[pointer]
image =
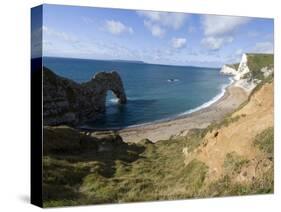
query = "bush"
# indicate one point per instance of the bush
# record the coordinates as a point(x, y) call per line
point(265, 141)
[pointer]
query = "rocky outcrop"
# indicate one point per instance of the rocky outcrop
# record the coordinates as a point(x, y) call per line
point(236, 70)
point(228, 70)
point(243, 68)
point(64, 139)
point(68, 102)
point(251, 66)
point(252, 69)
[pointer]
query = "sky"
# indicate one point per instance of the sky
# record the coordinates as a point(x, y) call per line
point(152, 37)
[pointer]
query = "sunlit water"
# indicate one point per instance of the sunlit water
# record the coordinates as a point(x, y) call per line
point(154, 92)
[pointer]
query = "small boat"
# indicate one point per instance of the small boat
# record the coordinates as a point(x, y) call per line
point(172, 80)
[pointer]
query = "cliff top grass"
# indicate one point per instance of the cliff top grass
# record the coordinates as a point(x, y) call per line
point(258, 61)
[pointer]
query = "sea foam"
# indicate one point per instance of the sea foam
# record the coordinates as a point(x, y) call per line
point(212, 101)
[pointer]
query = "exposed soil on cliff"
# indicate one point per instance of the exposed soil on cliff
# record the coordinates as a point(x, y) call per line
point(238, 137)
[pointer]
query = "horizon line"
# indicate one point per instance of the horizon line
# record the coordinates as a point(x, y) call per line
point(124, 60)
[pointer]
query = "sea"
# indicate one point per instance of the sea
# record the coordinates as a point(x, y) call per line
point(154, 92)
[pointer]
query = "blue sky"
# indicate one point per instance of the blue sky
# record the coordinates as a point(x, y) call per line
point(153, 37)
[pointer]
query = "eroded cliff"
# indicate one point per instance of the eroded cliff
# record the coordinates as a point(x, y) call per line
point(68, 102)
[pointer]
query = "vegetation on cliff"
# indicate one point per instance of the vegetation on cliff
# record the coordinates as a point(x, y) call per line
point(81, 167)
point(256, 62)
point(71, 103)
point(93, 168)
point(142, 172)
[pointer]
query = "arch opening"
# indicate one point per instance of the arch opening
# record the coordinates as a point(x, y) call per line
point(111, 98)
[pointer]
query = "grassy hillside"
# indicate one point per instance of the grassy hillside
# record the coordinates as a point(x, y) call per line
point(255, 63)
point(82, 168)
point(258, 61)
point(144, 172)
point(128, 172)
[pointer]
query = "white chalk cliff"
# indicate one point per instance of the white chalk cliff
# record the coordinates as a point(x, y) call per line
point(243, 76)
point(240, 72)
point(227, 69)
point(243, 68)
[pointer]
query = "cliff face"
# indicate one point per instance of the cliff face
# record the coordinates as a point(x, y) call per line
point(67, 102)
point(237, 135)
point(237, 70)
point(252, 69)
point(227, 69)
point(243, 68)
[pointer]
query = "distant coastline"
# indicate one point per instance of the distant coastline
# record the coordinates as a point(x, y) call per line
point(130, 61)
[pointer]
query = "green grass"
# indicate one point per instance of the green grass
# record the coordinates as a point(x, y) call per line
point(265, 141)
point(225, 186)
point(268, 79)
point(233, 163)
point(139, 172)
point(129, 172)
point(224, 123)
point(258, 61)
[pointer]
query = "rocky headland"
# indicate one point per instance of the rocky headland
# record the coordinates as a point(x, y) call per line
point(252, 69)
point(71, 103)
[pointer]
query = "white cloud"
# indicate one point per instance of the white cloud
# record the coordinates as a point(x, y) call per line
point(215, 43)
point(60, 35)
point(58, 43)
point(219, 30)
point(264, 47)
point(155, 29)
point(158, 22)
point(178, 43)
point(214, 25)
point(165, 19)
point(117, 27)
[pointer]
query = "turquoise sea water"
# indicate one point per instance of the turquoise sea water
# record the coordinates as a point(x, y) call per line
point(154, 92)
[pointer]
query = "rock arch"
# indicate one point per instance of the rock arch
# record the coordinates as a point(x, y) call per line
point(68, 102)
point(104, 82)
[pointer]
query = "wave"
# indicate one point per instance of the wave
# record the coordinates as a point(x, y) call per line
point(204, 105)
point(212, 101)
point(115, 100)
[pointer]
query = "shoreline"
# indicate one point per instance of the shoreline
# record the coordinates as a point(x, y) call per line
point(232, 98)
point(174, 117)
